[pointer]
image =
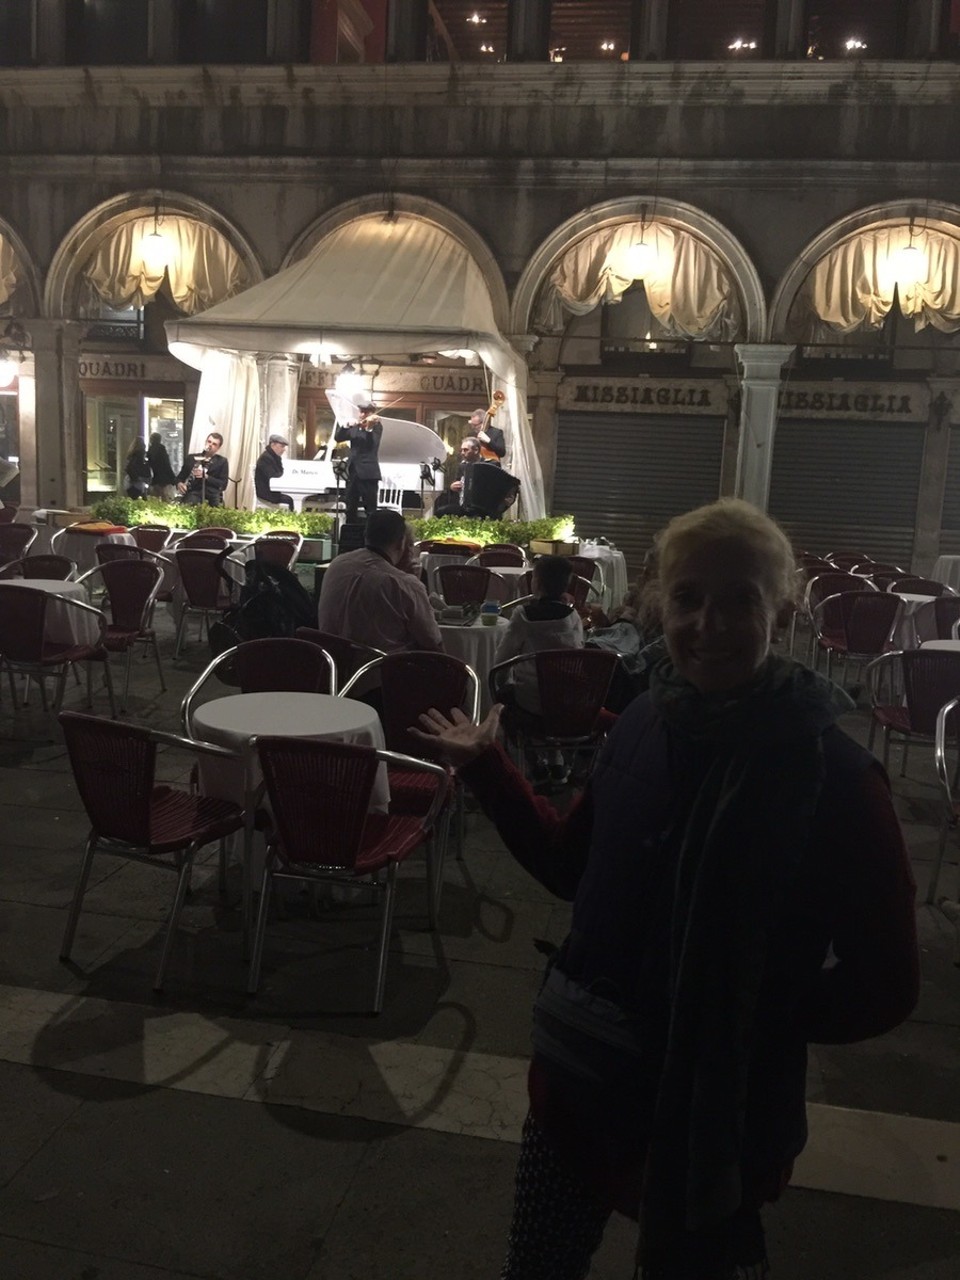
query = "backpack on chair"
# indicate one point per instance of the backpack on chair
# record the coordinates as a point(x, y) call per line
point(272, 603)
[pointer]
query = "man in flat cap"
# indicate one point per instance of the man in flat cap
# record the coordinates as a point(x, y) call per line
point(270, 466)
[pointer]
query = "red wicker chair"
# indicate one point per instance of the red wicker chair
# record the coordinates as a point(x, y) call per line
point(464, 583)
point(323, 831)
point(205, 591)
point(929, 679)
point(15, 541)
point(278, 548)
point(856, 625)
point(134, 817)
point(348, 657)
point(151, 537)
point(7, 514)
point(205, 540)
point(916, 586)
point(24, 648)
point(499, 557)
point(131, 586)
point(936, 619)
point(54, 568)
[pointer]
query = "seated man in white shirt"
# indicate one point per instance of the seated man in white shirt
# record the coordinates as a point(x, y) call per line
point(374, 596)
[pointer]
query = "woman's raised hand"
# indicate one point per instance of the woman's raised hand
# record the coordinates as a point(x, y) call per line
point(458, 738)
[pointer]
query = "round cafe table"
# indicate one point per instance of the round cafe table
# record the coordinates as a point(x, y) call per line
point(614, 573)
point(476, 645)
point(905, 633)
point(63, 625)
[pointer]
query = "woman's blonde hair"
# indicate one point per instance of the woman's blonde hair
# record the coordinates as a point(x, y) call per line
point(732, 520)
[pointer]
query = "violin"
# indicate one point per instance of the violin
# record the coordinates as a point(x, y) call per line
point(498, 398)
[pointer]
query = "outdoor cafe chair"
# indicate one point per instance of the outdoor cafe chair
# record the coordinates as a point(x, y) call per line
point(15, 541)
point(581, 590)
point(929, 678)
point(572, 685)
point(205, 590)
point(322, 830)
point(151, 537)
point(54, 568)
point(936, 619)
point(916, 586)
point(25, 650)
point(498, 558)
point(410, 683)
point(7, 513)
point(130, 587)
point(133, 816)
point(348, 656)
point(592, 570)
point(947, 726)
point(856, 625)
point(278, 548)
point(464, 583)
point(273, 664)
point(204, 540)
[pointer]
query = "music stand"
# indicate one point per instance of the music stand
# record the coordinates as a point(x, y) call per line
point(339, 474)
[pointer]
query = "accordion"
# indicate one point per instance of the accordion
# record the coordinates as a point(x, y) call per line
point(487, 490)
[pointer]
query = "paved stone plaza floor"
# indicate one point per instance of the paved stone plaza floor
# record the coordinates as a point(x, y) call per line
point(289, 1138)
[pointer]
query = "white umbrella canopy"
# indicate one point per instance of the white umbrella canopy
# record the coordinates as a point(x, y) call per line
point(373, 288)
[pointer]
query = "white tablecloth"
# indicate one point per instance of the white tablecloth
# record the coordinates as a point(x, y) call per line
point(475, 645)
point(614, 573)
point(82, 547)
point(63, 625)
point(949, 646)
point(234, 720)
point(947, 570)
point(905, 633)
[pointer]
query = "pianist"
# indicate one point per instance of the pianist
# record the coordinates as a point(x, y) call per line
point(270, 467)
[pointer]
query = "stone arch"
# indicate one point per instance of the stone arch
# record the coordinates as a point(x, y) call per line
point(83, 238)
point(935, 214)
point(30, 284)
point(630, 209)
point(420, 207)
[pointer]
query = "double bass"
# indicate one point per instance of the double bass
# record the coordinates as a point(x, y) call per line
point(497, 400)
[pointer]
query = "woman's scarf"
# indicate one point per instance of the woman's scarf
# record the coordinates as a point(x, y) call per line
point(749, 825)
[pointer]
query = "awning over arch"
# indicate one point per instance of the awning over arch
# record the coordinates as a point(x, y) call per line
point(202, 266)
point(378, 289)
point(9, 270)
point(689, 290)
point(852, 287)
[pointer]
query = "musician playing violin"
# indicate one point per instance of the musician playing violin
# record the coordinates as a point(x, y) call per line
point(492, 443)
point(363, 469)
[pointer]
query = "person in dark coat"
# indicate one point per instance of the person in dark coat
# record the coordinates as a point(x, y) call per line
point(740, 888)
point(162, 477)
point(270, 467)
point(204, 476)
point(136, 470)
point(363, 469)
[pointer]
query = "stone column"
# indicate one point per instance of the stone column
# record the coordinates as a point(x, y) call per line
point(51, 32)
point(164, 34)
point(407, 31)
point(944, 408)
point(924, 28)
point(648, 30)
point(731, 439)
point(542, 391)
point(787, 19)
point(279, 380)
point(58, 436)
point(27, 411)
point(760, 393)
point(283, 32)
point(528, 30)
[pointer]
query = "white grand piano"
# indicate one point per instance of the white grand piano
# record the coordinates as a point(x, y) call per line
point(404, 447)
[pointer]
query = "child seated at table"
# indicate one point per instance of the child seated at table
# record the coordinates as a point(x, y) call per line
point(548, 621)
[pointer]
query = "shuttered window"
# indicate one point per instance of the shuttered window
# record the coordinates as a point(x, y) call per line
point(848, 486)
point(624, 477)
point(950, 521)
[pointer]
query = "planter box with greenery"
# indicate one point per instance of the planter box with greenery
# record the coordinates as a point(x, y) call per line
point(131, 511)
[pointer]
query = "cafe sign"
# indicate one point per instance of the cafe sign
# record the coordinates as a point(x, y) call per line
point(107, 367)
point(858, 401)
point(421, 382)
point(690, 397)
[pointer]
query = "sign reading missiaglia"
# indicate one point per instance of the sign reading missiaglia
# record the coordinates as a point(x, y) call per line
point(630, 395)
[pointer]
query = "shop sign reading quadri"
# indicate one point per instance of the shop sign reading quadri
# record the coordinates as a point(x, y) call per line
point(464, 382)
point(690, 397)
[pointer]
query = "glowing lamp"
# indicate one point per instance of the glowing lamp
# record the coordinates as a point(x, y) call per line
point(156, 251)
point(910, 266)
point(8, 371)
point(641, 260)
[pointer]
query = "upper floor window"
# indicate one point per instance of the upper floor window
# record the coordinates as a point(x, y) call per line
point(107, 32)
point(855, 29)
point(16, 33)
point(707, 32)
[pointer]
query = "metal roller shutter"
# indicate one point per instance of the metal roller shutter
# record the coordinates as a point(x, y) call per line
point(848, 486)
point(624, 477)
point(950, 521)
